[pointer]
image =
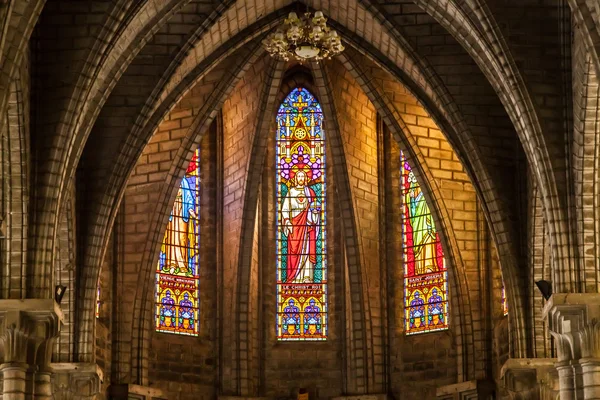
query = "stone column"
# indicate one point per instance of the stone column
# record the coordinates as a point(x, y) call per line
point(76, 381)
point(27, 330)
point(574, 321)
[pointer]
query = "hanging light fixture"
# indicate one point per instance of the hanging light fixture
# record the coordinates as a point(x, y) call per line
point(304, 39)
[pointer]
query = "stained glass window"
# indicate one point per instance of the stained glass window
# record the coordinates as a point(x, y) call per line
point(177, 269)
point(301, 234)
point(425, 273)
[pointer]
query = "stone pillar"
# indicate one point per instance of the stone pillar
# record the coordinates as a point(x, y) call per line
point(76, 381)
point(470, 390)
point(530, 378)
point(574, 321)
point(27, 330)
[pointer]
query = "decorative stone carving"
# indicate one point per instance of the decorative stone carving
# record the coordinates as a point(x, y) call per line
point(530, 378)
point(574, 321)
point(470, 390)
point(76, 381)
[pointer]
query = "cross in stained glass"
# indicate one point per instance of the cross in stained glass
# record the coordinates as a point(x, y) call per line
point(300, 104)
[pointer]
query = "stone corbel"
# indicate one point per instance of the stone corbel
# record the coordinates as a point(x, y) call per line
point(530, 378)
point(76, 381)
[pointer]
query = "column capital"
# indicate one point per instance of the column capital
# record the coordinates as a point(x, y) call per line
point(76, 381)
point(574, 322)
point(27, 328)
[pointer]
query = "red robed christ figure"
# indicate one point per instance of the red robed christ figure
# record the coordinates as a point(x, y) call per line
point(300, 222)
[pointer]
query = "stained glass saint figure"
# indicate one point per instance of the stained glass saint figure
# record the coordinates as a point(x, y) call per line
point(300, 183)
point(425, 274)
point(177, 270)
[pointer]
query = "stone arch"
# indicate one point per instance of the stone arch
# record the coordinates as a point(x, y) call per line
point(391, 47)
point(444, 111)
point(585, 155)
point(539, 264)
point(233, 68)
point(65, 274)
point(401, 134)
point(88, 89)
point(17, 20)
point(587, 21)
point(361, 349)
point(15, 168)
point(491, 53)
point(180, 82)
point(194, 133)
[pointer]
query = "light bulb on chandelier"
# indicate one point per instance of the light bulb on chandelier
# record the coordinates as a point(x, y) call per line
point(304, 39)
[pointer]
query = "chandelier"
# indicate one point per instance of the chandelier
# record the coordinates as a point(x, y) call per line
point(305, 38)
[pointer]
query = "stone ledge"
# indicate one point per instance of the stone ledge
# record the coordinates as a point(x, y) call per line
point(33, 306)
point(241, 398)
point(573, 299)
point(381, 396)
point(78, 368)
point(465, 390)
point(528, 363)
point(135, 392)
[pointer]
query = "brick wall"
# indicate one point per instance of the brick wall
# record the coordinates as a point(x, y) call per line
point(240, 114)
point(418, 364)
point(357, 121)
point(141, 231)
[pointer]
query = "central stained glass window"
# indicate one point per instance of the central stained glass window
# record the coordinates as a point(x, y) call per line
point(425, 273)
point(301, 233)
point(177, 275)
